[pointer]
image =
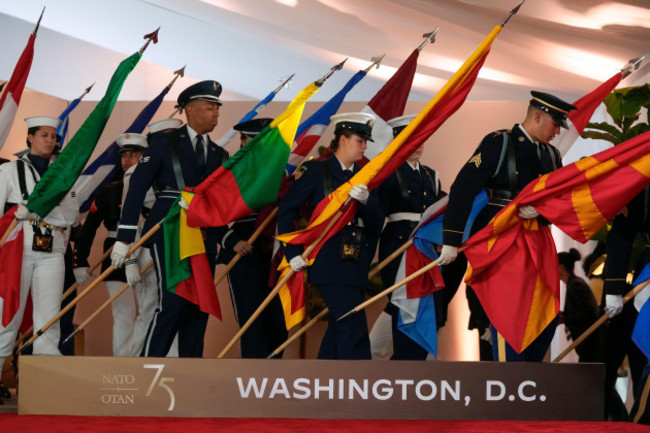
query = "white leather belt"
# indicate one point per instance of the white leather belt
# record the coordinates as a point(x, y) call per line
point(404, 216)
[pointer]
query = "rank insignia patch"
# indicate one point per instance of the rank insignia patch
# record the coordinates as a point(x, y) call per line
point(476, 160)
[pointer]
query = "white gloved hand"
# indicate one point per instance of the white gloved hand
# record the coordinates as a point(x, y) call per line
point(182, 203)
point(486, 335)
point(81, 275)
point(118, 255)
point(132, 271)
point(22, 213)
point(447, 255)
point(528, 212)
point(297, 263)
point(360, 193)
point(613, 305)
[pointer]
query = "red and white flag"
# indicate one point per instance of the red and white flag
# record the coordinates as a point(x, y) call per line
point(11, 259)
point(579, 118)
point(14, 90)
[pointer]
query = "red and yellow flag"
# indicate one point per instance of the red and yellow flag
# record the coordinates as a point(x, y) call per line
point(439, 109)
point(513, 264)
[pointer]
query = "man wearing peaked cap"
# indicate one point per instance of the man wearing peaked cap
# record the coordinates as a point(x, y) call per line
point(341, 270)
point(250, 128)
point(503, 164)
point(166, 124)
point(248, 279)
point(106, 209)
point(403, 197)
point(180, 158)
point(45, 239)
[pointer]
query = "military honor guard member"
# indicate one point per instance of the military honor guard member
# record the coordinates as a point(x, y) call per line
point(106, 209)
point(174, 160)
point(340, 270)
point(633, 221)
point(504, 162)
point(248, 279)
point(45, 239)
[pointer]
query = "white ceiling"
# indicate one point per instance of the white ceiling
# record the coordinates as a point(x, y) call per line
point(563, 46)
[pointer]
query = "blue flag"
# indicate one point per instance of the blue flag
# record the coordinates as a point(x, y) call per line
point(310, 131)
point(102, 170)
point(641, 332)
point(62, 129)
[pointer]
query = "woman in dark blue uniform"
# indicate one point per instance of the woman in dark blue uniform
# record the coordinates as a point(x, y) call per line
point(340, 270)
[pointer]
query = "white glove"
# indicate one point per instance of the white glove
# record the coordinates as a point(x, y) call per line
point(528, 212)
point(360, 193)
point(118, 255)
point(132, 271)
point(297, 263)
point(22, 213)
point(182, 203)
point(486, 335)
point(447, 255)
point(613, 305)
point(81, 275)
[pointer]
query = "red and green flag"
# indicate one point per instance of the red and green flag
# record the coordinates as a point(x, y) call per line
point(514, 253)
point(439, 109)
point(251, 178)
point(187, 270)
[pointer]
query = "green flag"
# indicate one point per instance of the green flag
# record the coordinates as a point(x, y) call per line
point(63, 173)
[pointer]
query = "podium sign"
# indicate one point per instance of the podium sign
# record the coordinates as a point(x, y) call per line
point(246, 388)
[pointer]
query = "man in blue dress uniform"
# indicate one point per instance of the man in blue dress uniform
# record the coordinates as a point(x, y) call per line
point(503, 164)
point(180, 158)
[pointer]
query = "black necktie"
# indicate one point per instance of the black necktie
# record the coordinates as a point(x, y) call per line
point(200, 154)
point(347, 174)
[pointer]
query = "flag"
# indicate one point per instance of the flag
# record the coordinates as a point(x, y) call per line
point(641, 297)
point(415, 300)
point(103, 168)
point(251, 178)
point(443, 105)
point(248, 116)
point(310, 131)
point(641, 331)
point(187, 270)
point(62, 174)
point(11, 257)
point(585, 107)
point(14, 89)
point(389, 103)
point(510, 252)
point(62, 129)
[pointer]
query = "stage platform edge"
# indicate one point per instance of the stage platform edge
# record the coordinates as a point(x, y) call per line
point(246, 388)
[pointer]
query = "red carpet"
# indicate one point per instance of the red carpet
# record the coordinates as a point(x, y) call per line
point(10, 423)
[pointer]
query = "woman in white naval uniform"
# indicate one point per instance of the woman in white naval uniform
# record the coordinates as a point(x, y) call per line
point(42, 271)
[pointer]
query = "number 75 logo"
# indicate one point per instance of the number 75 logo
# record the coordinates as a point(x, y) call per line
point(161, 382)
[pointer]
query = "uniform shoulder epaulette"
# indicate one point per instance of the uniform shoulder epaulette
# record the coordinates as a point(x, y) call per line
point(501, 132)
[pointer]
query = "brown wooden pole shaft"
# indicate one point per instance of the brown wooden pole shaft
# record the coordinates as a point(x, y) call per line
point(278, 286)
point(602, 319)
point(250, 240)
point(381, 265)
point(301, 331)
point(5, 235)
point(108, 302)
point(91, 286)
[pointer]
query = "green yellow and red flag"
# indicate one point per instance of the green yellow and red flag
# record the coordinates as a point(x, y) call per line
point(514, 253)
point(251, 178)
point(187, 271)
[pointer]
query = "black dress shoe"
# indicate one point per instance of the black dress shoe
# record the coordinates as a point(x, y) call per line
point(4, 392)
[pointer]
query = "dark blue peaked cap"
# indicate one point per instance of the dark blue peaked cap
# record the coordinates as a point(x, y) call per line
point(208, 90)
point(557, 108)
point(252, 127)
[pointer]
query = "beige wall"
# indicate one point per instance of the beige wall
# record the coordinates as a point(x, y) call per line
point(446, 151)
